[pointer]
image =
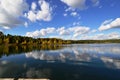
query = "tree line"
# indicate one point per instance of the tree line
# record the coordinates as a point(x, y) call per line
point(23, 40)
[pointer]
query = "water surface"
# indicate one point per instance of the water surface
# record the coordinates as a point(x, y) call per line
point(67, 62)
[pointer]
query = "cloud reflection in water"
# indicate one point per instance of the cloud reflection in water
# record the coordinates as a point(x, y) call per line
point(107, 54)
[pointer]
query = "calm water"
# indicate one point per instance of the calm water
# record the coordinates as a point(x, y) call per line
point(68, 62)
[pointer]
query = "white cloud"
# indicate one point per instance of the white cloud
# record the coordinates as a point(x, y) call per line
point(31, 16)
point(75, 3)
point(114, 35)
point(40, 33)
point(108, 24)
point(33, 6)
point(69, 9)
point(33, 34)
point(79, 4)
point(45, 12)
point(93, 31)
point(74, 33)
point(62, 31)
point(74, 14)
point(50, 30)
point(26, 24)
point(102, 36)
point(79, 30)
point(52, 36)
point(11, 11)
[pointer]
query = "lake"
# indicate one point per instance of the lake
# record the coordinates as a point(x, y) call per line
point(66, 62)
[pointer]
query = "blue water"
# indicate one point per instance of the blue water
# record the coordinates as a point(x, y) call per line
point(70, 62)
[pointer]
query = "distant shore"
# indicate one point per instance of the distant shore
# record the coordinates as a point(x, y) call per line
point(23, 40)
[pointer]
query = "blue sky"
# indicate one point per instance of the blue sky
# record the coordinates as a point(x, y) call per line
point(66, 19)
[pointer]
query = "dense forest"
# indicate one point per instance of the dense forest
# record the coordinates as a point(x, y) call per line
point(23, 40)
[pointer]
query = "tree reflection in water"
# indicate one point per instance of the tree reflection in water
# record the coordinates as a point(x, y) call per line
point(10, 50)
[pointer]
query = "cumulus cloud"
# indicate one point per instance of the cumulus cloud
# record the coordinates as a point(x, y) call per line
point(102, 36)
point(79, 30)
point(40, 33)
point(33, 6)
point(75, 3)
point(11, 11)
point(74, 14)
point(62, 31)
point(44, 13)
point(108, 24)
point(79, 4)
point(113, 35)
point(74, 33)
point(69, 9)
point(31, 16)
